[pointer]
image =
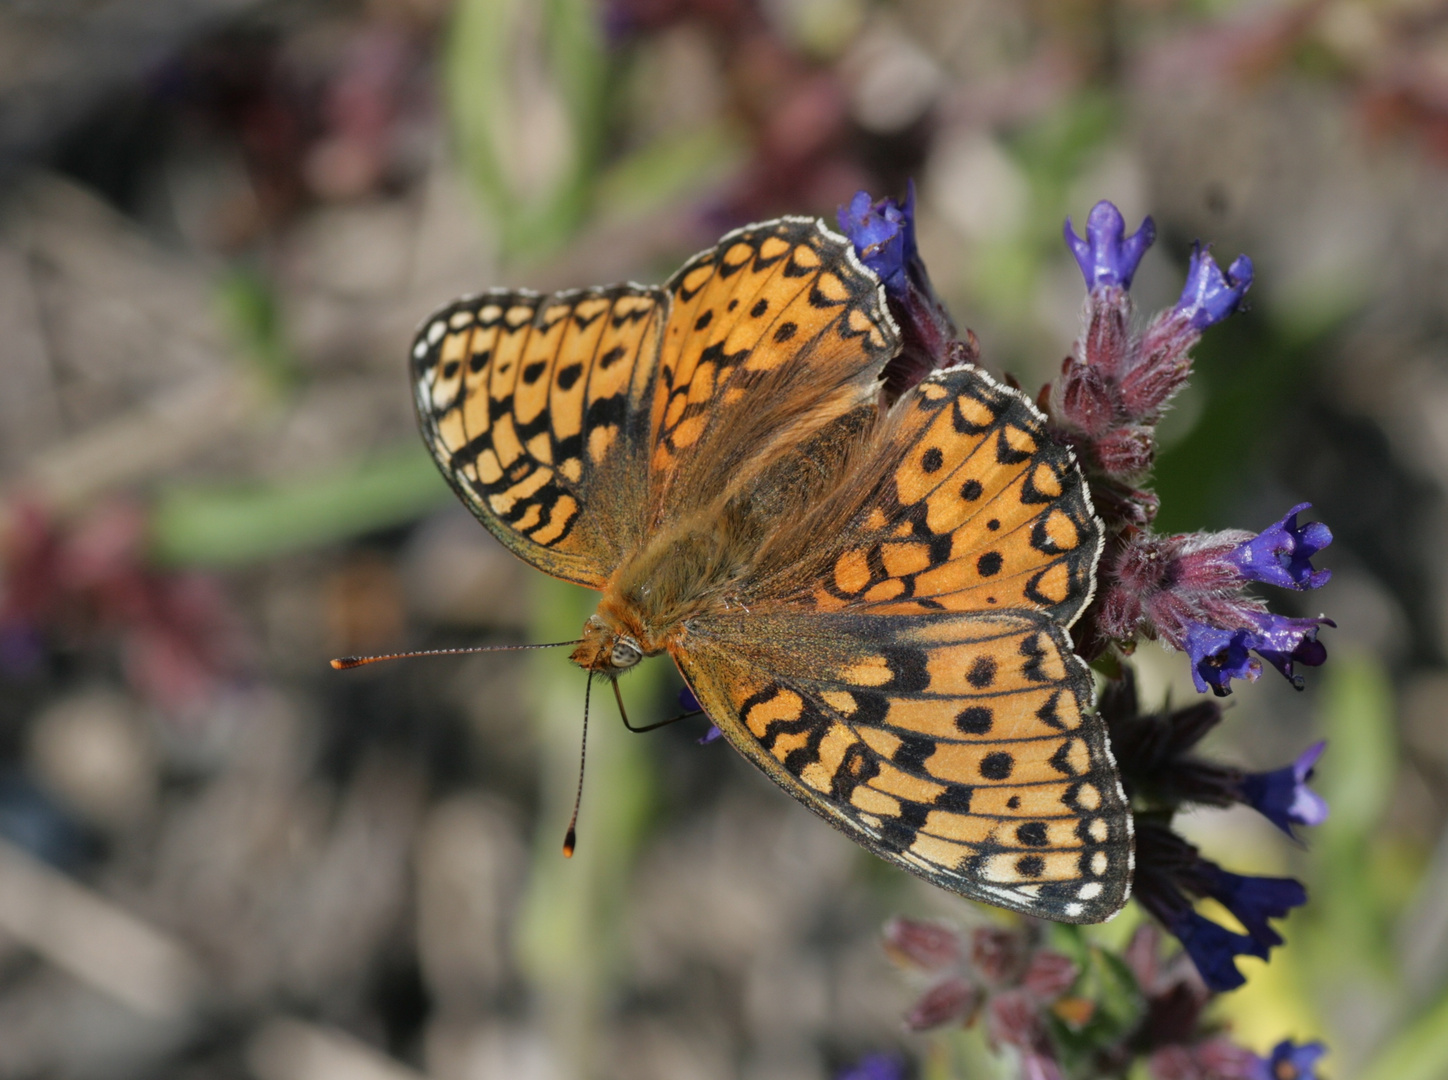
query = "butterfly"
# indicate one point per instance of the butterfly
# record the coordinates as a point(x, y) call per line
point(869, 599)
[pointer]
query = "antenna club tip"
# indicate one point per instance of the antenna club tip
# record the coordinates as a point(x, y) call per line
point(569, 843)
point(342, 663)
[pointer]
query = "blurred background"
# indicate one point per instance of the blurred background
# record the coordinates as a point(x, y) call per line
point(220, 221)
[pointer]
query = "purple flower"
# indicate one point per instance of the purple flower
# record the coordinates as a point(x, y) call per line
point(1288, 1061)
point(1170, 871)
point(1282, 641)
point(1281, 554)
point(1208, 297)
point(1108, 256)
point(1219, 656)
point(875, 1067)
point(1255, 900)
point(1213, 949)
point(883, 233)
point(1282, 795)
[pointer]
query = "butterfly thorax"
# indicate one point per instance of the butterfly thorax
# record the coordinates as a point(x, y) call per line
point(690, 570)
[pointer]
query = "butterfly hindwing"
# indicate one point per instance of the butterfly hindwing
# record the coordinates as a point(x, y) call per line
point(961, 747)
point(537, 409)
point(972, 507)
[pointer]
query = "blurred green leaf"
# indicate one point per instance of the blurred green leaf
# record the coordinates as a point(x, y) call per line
point(1356, 774)
point(1247, 370)
point(249, 310)
point(1342, 941)
point(568, 940)
point(525, 85)
point(1055, 149)
point(228, 526)
point(669, 167)
point(1106, 982)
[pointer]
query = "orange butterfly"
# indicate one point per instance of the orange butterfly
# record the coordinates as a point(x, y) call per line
point(870, 602)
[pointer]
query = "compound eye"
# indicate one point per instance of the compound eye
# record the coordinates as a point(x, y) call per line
point(625, 654)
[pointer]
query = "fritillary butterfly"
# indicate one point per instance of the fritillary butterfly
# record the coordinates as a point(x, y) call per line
point(870, 602)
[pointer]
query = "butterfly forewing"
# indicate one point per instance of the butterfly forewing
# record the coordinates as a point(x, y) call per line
point(772, 335)
point(960, 746)
point(537, 409)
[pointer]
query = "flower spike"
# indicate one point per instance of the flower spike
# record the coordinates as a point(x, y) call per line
point(1107, 256)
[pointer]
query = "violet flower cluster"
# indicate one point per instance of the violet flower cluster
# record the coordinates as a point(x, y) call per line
point(1189, 591)
point(1194, 593)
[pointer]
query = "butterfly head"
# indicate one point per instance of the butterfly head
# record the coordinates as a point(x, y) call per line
point(606, 648)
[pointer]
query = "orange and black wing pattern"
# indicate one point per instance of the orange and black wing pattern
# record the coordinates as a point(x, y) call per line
point(773, 334)
point(972, 506)
point(538, 412)
point(959, 746)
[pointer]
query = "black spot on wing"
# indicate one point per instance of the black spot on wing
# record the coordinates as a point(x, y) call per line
point(997, 765)
point(569, 375)
point(910, 755)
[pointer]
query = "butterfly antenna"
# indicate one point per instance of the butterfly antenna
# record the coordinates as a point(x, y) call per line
point(570, 838)
point(618, 695)
point(342, 663)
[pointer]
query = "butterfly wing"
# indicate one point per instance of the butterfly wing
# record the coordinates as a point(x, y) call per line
point(537, 410)
point(573, 425)
point(959, 746)
point(773, 336)
point(966, 504)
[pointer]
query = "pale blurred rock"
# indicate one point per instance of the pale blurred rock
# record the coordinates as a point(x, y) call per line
point(30, 407)
point(489, 1051)
point(976, 186)
point(358, 250)
point(471, 869)
point(93, 752)
point(785, 994)
point(96, 940)
point(53, 1025)
point(124, 319)
point(287, 1049)
point(796, 1060)
point(893, 81)
point(284, 885)
point(657, 1050)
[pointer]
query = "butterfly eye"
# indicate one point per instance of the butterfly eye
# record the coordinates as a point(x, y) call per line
point(625, 654)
